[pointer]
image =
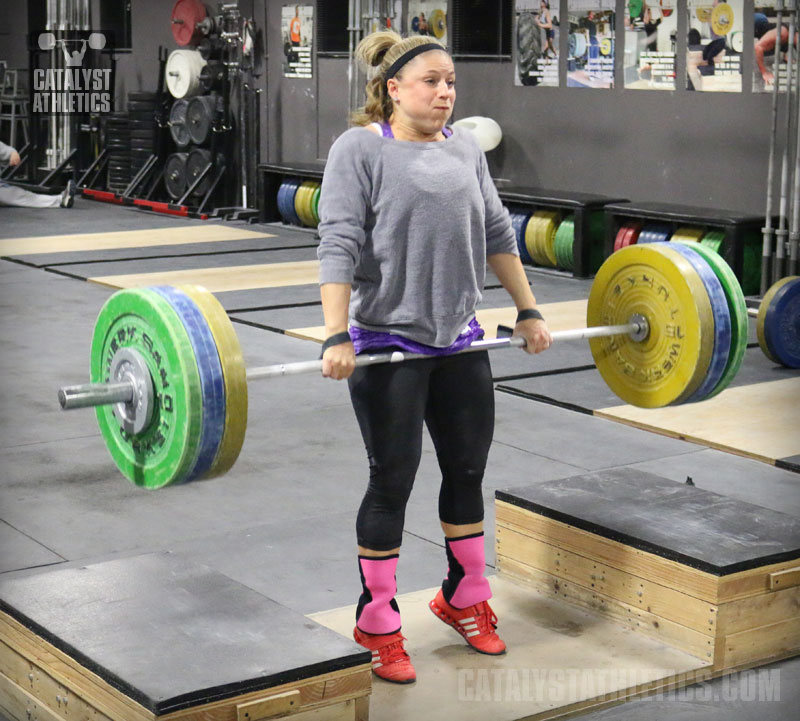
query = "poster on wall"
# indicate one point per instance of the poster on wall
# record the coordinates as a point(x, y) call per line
point(428, 17)
point(765, 35)
point(651, 33)
point(714, 45)
point(297, 29)
point(537, 43)
point(590, 61)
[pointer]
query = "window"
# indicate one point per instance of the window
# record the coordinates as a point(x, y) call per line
point(332, 19)
point(481, 27)
point(115, 22)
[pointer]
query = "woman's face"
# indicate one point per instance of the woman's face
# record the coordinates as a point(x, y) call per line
point(426, 91)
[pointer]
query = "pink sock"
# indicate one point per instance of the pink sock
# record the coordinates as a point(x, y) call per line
point(465, 584)
point(377, 611)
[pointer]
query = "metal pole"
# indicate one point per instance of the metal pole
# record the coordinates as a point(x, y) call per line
point(353, 28)
point(794, 234)
point(98, 394)
point(766, 248)
point(783, 221)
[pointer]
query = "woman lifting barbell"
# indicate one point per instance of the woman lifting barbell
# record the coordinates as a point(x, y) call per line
point(409, 218)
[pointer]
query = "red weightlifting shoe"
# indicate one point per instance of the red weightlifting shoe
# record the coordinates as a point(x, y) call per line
point(389, 659)
point(476, 624)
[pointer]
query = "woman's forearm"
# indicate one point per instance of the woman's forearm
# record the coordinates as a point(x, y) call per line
point(508, 269)
point(335, 306)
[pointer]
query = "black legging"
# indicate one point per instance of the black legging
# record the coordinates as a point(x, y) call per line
point(455, 398)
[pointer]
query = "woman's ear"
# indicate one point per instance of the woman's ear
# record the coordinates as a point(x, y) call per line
point(391, 86)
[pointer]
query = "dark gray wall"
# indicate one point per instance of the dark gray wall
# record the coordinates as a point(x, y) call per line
point(14, 33)
point(705, 149)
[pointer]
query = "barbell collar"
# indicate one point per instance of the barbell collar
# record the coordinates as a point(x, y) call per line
point(95, 394)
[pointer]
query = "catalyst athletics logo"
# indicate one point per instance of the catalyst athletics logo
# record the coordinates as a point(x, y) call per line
point(75, 82)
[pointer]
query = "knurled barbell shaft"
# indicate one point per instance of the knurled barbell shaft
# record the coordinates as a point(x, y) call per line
point(290, 369)
point(98, 394)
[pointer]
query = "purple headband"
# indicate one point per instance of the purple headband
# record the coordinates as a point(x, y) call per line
point(405, 57)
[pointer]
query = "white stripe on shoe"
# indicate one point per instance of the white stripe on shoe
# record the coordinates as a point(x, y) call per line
point(467, 620)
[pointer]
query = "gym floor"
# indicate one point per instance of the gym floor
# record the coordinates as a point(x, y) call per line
point(281, 522)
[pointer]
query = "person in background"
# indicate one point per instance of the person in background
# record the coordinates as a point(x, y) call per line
point(409, 221)
point(545, 21)
point(19, 197)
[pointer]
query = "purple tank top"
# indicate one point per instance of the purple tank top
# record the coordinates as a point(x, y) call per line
point(367, 340)
point(386, 129)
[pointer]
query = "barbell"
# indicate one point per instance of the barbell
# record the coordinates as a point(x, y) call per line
point(667, 324)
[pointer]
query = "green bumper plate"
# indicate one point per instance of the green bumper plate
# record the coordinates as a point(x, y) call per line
point(165, 452)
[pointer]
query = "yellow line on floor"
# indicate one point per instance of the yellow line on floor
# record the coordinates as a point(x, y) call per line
point(760, 420)
point(126, 239)
point(560, 316)
point(237, 277)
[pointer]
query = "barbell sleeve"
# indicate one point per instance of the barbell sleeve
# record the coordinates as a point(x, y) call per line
point(98, 394)
point(95, 394)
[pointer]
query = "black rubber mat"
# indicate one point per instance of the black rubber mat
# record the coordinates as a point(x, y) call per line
point(85, 217)
point(256, 299)
point(690, 525)
point(191, 262)
point(183, 634)
point(792, 463)
point(20, 551)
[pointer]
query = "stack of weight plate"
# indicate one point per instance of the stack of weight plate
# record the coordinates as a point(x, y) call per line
point(654, 234)
point(175, 175)
point(778, 322)
point(191, 126)
point(540, 235)
point(564, 242)
point(118, 145)
point(627, 234)
point(196, 161)
point(713, 240)
point(298, 202)
point(703, 300)
point(143, 127)
point(751, 276)
point(186, 340)
point(688, 235)
point(565, 238)
point(306, 203)
point(177, 123)
point(519, 222)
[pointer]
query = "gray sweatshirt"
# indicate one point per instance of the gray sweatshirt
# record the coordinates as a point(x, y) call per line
point(410, 225)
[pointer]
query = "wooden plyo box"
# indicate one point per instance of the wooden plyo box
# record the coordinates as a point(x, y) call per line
point(702, 572)
point(153, 638)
